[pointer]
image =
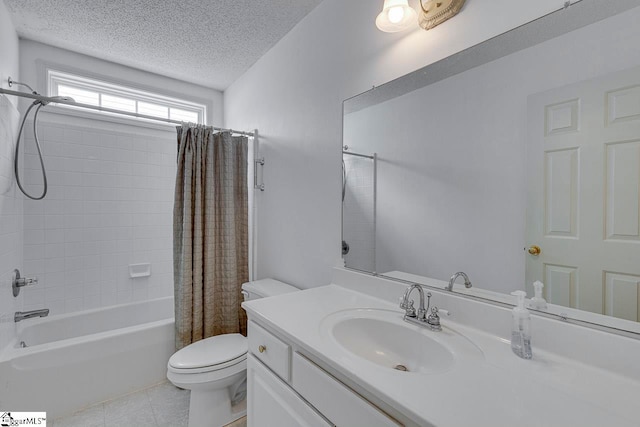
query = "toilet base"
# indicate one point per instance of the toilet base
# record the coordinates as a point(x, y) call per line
point(210, 408)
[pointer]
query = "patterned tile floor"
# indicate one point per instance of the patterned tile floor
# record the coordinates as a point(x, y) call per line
point(158, 406)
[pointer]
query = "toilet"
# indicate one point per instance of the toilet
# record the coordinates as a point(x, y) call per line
point(215, 368)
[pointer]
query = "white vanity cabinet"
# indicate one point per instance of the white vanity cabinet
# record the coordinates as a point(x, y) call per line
point(286, 389)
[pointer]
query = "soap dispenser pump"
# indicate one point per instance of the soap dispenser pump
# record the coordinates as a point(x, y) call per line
point(537, 302)
point(521, 328)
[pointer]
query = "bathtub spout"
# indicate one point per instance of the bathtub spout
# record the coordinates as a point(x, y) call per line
point(21, 315)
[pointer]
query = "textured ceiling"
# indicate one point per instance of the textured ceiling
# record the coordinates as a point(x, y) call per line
point(210, 43)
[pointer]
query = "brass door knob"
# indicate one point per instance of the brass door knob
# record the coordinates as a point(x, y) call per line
point(262, 348)
point(535, 250)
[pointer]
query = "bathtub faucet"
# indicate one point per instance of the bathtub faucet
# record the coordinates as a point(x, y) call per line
point(21, 315)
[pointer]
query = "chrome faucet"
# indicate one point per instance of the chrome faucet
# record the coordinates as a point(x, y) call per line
point(467, 282)
point(20, 315)
point(420, 318)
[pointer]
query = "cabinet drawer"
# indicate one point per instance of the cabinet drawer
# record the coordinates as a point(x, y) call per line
point(334, 400)
point(270, 350)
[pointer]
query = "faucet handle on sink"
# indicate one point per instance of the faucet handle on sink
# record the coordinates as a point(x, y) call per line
point(407, 306)
point(434, 320)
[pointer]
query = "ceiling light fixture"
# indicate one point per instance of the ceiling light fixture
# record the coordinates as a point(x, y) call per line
point(396, 16)
point(435, 12)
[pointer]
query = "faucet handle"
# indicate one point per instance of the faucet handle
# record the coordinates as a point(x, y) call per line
point(434, 320)
point(407, 306)
point(18, 282)
point(404, 303)
point(26, 281)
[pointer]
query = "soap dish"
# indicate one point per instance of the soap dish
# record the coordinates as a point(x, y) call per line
point(139, 270)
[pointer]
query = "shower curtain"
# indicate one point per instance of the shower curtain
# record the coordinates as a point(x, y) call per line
point(210, 234)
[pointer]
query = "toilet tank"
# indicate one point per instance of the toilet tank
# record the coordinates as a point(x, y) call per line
point(265, 288)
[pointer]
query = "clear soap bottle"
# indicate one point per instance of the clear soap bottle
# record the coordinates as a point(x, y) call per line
point(521, 328)
point(537, 302)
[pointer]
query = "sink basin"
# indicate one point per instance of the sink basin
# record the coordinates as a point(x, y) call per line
point(382, 338)
point(393, 346)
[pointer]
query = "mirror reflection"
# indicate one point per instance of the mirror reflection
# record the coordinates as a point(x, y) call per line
point(521, 169)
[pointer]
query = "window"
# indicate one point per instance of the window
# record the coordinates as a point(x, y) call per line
point(107, 95)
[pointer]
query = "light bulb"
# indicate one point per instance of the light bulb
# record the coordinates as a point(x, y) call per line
point(396, 15)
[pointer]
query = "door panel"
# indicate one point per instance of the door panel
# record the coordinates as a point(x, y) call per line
point(562, 173)
point(623, 184)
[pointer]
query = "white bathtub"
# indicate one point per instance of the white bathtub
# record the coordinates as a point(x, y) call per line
point(74, 360)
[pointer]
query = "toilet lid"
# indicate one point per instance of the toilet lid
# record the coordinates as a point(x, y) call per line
point(210, 352)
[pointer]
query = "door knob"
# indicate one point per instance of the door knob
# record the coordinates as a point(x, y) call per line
point(535, 250)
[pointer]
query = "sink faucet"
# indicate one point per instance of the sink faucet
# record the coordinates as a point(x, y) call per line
point(20, 315)
point(420, 318)
point(467, 282)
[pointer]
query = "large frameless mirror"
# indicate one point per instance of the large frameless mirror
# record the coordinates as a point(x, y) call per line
point(514, 161)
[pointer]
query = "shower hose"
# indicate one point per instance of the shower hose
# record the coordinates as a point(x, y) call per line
point(39, 105)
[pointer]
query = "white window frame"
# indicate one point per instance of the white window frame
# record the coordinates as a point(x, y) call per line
point(55, 78)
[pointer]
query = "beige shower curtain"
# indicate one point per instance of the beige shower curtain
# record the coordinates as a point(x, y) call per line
point(210, 234)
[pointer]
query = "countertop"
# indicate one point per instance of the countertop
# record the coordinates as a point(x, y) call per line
point(496, 389)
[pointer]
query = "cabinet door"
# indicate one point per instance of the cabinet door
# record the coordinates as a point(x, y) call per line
point(333, 399)
point(270, 402)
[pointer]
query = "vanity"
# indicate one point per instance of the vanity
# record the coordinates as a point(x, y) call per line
point(330, 356)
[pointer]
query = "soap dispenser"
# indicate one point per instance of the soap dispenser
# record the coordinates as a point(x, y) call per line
point(537, 302)
point(521, 328)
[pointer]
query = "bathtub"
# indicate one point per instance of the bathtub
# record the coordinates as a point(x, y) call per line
point(74, 360)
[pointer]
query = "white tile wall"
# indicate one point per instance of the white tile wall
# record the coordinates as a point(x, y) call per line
point(110, 204)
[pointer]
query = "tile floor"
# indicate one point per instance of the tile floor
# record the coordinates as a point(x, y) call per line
point(158, 406)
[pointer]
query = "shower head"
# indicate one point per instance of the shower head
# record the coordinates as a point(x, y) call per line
point(62, 98)
point(55, 99)
point(40, 101)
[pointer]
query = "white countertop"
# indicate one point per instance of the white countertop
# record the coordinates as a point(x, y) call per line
point(498, 389)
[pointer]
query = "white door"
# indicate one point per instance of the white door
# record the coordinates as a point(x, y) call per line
point(583, 173)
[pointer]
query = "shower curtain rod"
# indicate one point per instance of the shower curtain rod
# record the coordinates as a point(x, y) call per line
point(57, 100)
point(358, 155)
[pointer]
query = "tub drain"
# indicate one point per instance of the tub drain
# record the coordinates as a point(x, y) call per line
point(401, 368)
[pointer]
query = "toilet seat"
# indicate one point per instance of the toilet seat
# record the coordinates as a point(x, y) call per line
point(210, 354)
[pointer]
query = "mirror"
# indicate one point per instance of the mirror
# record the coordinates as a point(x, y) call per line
point(531, 139)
